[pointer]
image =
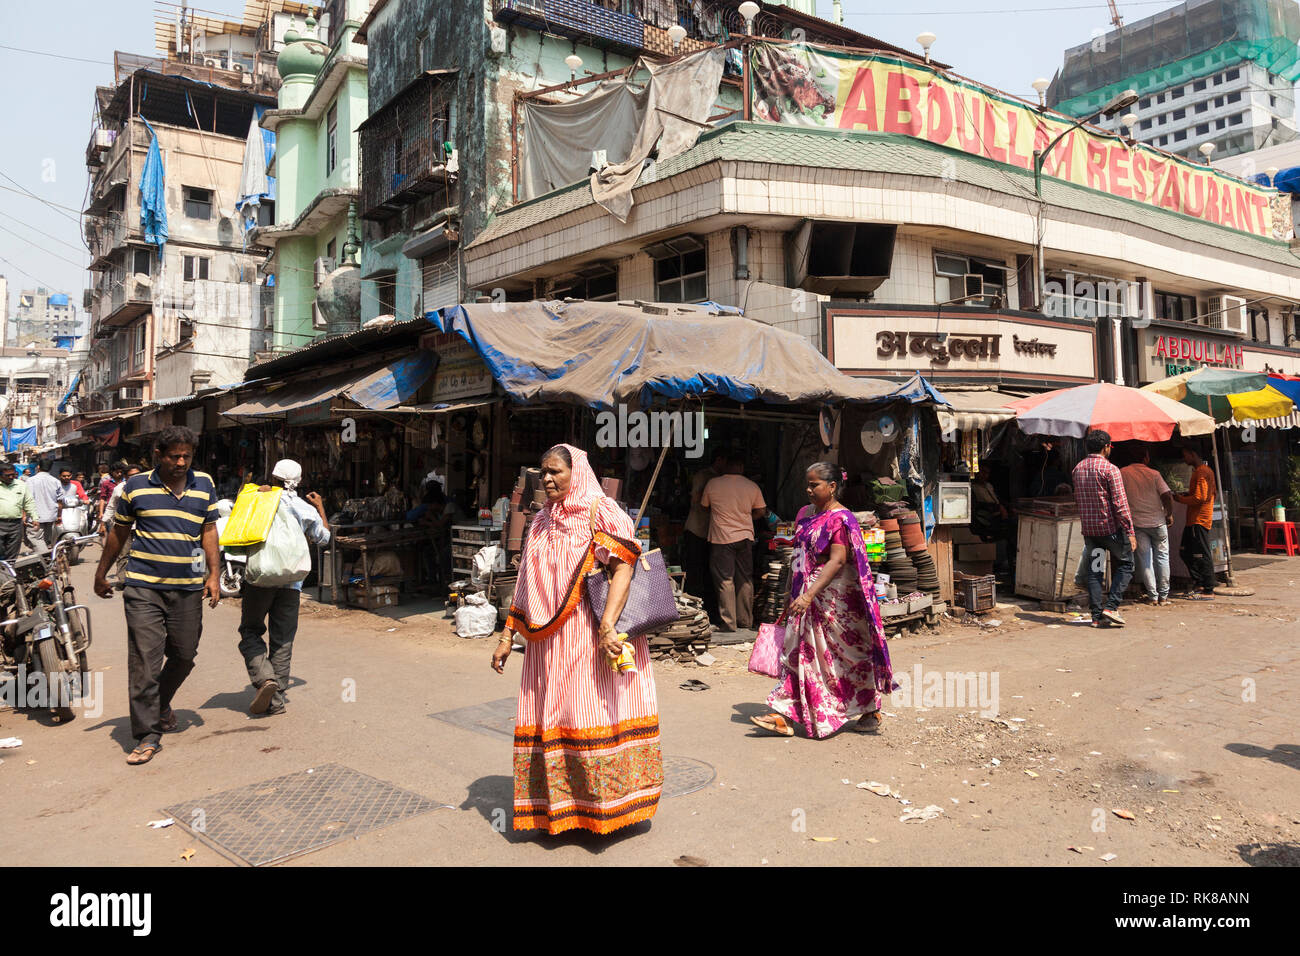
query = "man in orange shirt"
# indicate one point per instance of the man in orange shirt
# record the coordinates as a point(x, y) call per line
point(733, 502)
point(1194, 548)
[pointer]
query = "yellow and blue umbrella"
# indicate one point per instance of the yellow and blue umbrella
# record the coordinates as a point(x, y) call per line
point(1226, 394)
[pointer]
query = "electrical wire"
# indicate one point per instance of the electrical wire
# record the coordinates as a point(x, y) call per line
point(23, 191)
point(57, 56)
point(1060, 9)
point(33, 245)
point(48, 285)
point(62, 242)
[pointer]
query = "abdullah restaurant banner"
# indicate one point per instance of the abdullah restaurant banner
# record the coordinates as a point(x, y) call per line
point(821, 87)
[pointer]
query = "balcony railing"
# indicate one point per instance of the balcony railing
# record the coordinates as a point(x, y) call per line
point(574, 17)
point(404, 151)
point(128, 298)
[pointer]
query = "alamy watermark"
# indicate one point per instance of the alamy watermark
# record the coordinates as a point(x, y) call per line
point(640, 429)
point(33, 689)
point(931, 690)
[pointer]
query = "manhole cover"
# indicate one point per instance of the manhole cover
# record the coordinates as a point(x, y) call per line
point(683, 775)
point(275, 820)
point(496, 717)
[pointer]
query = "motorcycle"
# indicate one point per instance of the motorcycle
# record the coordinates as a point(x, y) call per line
point(45, 629)
point(233, 561)
point(73, 525)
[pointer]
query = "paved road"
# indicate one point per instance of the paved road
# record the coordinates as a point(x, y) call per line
point(1185, 719)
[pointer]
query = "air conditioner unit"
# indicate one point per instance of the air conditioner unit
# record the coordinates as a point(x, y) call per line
point(318, 320)
point(324, 266)
point(1226, 312)
point(135, 394)
point(104, 138)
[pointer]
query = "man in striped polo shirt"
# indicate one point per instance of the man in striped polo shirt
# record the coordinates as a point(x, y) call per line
point(173, 564)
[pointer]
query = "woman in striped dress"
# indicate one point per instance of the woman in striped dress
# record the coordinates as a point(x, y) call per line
point(586, 748)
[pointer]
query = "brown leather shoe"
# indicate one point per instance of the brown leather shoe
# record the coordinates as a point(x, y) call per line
point(167, 720)
point(263, 699)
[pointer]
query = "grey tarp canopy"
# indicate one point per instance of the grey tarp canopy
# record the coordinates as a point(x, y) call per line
point(599, 354)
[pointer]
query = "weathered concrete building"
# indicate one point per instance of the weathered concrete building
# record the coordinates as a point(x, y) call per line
point(446, 77)
point(321, 103)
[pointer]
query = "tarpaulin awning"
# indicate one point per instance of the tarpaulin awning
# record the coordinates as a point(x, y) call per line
point(599, 354)
point(1283, 422)
point(379, 387)
point(975, 410)
point(445, 408)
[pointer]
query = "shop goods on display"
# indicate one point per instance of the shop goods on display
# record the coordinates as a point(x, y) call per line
point(688, 636)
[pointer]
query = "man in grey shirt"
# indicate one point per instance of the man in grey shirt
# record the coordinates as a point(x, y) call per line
point(46, 490)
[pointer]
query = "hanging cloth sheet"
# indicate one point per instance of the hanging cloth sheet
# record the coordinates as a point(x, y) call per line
point(559, 138)
point(681, 97)
point(255, 187)
point(153, 195)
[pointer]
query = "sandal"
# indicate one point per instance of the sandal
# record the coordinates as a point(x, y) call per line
point(872, 723)
point(773, 724)
point(143, 754)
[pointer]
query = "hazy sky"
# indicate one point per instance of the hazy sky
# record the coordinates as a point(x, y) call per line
point(46, 106)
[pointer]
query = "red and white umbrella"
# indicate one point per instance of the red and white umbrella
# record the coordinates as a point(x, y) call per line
point(1127, 414)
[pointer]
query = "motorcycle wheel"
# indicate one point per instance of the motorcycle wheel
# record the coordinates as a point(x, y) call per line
point(232, 582)
point(55, 675)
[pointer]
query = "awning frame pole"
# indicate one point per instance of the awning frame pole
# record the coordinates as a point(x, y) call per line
point(1223, 507)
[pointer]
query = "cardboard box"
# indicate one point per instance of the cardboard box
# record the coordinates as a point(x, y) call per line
point(962, 534)
point(377, 596)
point(977, 552)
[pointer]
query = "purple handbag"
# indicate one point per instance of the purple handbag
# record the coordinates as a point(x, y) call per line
point(650, 605)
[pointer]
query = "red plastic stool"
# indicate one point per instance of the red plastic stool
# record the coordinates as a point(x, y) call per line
point(1281, 536)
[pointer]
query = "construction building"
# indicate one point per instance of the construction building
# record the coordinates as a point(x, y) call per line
point(1206, 71)
point(176, 301)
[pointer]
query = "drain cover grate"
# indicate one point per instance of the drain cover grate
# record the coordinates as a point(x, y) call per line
point(496, 717)
point(276, 820)
point(683, 775)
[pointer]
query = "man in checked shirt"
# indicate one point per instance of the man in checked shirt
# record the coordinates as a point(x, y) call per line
point(1107, 527)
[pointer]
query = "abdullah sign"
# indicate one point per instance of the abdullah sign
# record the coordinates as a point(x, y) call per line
point(807, 85)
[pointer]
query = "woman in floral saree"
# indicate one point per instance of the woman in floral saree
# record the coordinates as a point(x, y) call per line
point(586, 736)
point(835, 664)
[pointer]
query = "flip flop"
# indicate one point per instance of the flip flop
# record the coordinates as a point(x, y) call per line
point(773, 724)
point(143, 754)
point(694, 684)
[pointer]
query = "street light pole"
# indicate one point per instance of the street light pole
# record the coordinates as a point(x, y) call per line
point(1123, 101)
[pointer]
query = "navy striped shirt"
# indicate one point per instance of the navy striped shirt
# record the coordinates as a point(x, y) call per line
point(166, 546)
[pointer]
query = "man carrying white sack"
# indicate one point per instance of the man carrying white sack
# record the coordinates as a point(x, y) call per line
point(268, 667)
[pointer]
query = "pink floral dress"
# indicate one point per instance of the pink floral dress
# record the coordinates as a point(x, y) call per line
point(835, 665)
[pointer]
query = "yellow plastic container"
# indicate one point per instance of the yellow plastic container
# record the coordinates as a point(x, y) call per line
point(250, 519)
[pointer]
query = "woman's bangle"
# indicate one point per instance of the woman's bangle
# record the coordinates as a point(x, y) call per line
point(506, 640)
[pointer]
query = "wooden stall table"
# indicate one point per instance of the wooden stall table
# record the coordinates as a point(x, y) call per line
point(375, 540)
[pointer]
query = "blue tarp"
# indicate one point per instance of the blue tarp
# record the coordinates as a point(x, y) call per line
point(153, 196)
point(378, 387)
point(63, 403)
point(16, 437)
point(1285, 181)
point(599, 354)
